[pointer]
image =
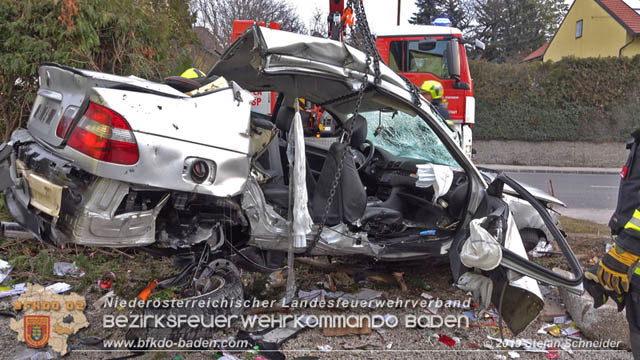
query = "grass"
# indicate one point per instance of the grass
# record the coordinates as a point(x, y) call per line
point(571, 225)
point(33, 263)
point(4, 213)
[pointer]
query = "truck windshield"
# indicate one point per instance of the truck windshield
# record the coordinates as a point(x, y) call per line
point(406, 57)
point(408, 136)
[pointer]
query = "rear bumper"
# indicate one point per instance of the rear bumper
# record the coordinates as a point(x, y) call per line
point(87, 206)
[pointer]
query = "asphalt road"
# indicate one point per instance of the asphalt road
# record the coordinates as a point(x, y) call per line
point(588, 196)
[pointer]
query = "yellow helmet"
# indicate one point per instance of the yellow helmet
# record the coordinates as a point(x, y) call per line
point(192, 73)
point(434, 88)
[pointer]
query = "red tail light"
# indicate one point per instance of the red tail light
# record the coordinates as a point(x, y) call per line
point(65, 122)
point(105, 135)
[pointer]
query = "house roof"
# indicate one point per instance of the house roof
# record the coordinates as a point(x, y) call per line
point(538, 54)
point(626, 12)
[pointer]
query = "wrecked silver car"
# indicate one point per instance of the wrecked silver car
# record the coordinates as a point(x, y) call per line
point(121, 161)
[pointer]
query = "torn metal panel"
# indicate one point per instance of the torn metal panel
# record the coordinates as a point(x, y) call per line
point(522, 300)
point(96, 223)
point(480, 286)
point(526, 216)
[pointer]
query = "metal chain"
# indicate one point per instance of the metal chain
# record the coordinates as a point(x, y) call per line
point(369, 41)
point(370, 51)
point(336, 179)
point(413, 89)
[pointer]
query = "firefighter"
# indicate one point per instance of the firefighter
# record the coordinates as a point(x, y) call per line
point(433, 91)
point(617, 275)
point(193, 73)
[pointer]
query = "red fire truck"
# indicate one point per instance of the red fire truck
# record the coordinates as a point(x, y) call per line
point(430, 52)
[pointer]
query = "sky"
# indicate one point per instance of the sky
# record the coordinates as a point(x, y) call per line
point(380, 13)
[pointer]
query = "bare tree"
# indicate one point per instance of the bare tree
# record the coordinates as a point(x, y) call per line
point(319, 23)
point(218, 15)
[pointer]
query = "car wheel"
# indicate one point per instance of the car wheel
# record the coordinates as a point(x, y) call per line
point(227, 286)
point(530, 238)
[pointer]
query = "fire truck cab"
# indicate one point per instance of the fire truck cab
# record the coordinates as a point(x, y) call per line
point(429, 52)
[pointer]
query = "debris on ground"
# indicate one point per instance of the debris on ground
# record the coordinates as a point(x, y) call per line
point(16, 289)
point(330, 284)
point(543, 248)
point(277, 279)
point(552, 310)
point(400, 281)
point(363, 294)
point(107, 281)
point(227, 356)
point(395, 278)
point(59, 287)
point(63, 269)
point(447, 340)
point(271, 339)
point(564, 329)
point(553, 353)
point(5, 269)
point(144, 294)
point(33, 354)
point(100, 302)
point(470, 315)
point(365, 329)
point(341, 278)
point(325, 347)
point(321, 293)
point(358, 346)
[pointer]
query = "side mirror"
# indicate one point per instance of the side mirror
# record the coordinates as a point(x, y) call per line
point(427, 45)
point(461, 85)
point(453, 58)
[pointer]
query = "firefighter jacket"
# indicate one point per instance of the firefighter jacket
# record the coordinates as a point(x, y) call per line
point(625, 221)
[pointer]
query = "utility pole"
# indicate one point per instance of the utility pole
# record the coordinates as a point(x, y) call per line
point(399, 1)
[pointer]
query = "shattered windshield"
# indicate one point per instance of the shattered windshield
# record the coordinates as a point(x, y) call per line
point(406, 136)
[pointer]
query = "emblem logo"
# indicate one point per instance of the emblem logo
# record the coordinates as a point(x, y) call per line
point(36, 330)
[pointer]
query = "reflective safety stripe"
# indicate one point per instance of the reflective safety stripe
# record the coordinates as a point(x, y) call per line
point(634, 222)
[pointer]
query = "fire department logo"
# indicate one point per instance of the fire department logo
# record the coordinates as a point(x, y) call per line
point(36, 330)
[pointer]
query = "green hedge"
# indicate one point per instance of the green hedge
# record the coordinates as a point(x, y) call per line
point(571, 100)
point(147, 38)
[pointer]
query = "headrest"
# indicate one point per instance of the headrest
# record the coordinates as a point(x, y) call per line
point(359, 131)
point(284, 117)
point(182, 84)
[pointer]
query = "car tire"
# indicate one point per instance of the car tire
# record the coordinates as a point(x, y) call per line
point(530, 238)
point(229, 288)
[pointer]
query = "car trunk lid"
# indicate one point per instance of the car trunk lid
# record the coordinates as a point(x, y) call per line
point(64, 95)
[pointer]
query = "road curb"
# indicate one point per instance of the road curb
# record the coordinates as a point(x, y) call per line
point(551, 169)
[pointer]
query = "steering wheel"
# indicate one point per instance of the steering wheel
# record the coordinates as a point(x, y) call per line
point(372, 151)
